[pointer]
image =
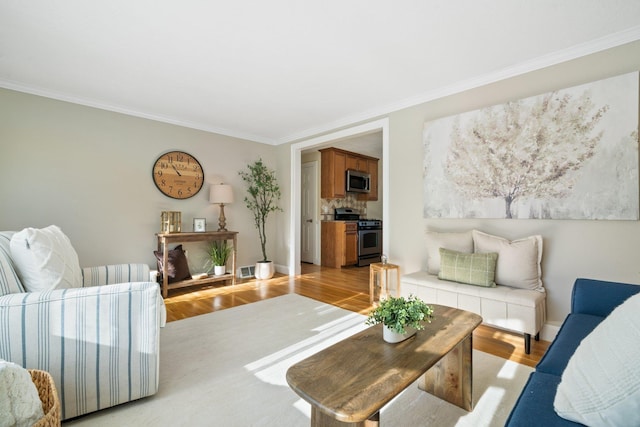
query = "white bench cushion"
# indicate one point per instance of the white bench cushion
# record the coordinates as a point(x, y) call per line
point(520, 310)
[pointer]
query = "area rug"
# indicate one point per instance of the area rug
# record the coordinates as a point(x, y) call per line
point(228, 369)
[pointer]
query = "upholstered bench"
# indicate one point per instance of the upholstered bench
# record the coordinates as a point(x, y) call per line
point(512, 297)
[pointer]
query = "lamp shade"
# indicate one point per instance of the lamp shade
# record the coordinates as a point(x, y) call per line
point(220, 193)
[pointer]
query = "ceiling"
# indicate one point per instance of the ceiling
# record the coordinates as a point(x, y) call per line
point(283, 70)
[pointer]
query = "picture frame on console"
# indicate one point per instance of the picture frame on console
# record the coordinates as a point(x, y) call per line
point(199, 225)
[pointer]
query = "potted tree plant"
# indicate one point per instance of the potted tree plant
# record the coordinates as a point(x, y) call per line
point(218, 255)
point(262, 199)
point(401, 317)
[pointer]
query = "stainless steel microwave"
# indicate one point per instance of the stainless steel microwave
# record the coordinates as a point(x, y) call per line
point(358, 182)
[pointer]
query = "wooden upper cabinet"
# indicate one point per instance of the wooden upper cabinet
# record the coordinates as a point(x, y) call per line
point(357, 162)
point(372, 165)
point(335, 163)
point(333, 180)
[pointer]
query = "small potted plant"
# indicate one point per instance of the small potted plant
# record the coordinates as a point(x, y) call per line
point(401, 317)
point(218, 255)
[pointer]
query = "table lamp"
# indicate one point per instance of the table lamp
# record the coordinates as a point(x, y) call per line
point(221, 194)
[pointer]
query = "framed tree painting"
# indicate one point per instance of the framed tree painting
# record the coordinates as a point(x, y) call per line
point(567, 154)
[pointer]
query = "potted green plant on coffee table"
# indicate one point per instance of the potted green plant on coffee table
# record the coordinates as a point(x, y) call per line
point(401, 317)
point(219, 252)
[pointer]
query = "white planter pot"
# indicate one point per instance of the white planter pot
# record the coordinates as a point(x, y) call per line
point(393, 337)
point(265, 270)
point(219, 270)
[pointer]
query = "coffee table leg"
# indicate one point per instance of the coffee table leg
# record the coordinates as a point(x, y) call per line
point(451, 378)
point(320, 419)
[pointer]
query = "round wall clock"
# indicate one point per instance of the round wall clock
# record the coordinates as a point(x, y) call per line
point(178, 175)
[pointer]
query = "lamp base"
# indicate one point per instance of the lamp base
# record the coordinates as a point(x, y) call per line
point(222, 221)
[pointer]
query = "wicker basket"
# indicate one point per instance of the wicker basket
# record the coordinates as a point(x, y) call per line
point(49, 397)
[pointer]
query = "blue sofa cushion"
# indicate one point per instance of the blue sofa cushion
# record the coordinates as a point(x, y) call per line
point(599, 298)
point(535, 404)
point(572, 332)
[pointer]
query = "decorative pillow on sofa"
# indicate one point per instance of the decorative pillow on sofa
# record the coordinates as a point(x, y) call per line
point(178, 268)
point(601, 383)
point(459, 242)
point(45, 259)
point(9, 280)
point(472, 269)
point(519, 260)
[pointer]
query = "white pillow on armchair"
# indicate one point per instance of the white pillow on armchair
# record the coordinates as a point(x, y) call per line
point(45, 259)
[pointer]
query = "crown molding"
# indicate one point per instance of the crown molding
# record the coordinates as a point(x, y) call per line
point(594, 46)
point(19, 87)
point(554, 58)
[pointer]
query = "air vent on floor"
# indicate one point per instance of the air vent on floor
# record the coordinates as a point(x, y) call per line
point(247, 271)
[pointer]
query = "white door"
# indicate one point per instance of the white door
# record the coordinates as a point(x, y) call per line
point(309, 213)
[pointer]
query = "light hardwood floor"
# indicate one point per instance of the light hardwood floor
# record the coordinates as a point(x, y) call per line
point(347, 288)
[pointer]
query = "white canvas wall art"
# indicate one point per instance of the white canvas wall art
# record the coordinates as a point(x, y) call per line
point(567, 154)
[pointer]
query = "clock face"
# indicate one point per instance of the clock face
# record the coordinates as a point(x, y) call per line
point(178, 175)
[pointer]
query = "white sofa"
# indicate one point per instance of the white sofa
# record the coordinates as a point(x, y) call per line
point(100, 341)
point(517, 301)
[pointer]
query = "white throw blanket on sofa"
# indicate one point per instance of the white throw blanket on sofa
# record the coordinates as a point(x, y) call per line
point(20, 405)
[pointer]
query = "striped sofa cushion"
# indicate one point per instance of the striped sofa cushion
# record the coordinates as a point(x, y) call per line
point(9, 280)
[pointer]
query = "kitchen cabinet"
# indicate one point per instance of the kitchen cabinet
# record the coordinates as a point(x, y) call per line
point(357, 162)
point(339, 243)
point(372, 170)
point(334, 165)
point(350, 244)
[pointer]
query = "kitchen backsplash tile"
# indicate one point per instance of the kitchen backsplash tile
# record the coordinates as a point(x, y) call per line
point(327, 206)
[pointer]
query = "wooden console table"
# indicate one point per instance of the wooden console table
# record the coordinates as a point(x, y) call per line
point(348, 383)
point(164, 239)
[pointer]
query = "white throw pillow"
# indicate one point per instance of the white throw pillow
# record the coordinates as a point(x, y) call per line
point(45, 259)
point(9, 280)
point(519, 260)
point(459, 242)
point(601, 383)
point(20, 405)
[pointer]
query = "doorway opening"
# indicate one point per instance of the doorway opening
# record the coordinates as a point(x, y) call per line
point(382, 126)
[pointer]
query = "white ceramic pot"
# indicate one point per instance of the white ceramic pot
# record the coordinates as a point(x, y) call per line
point(219, 270)
point(393, 337)
point(265, 270)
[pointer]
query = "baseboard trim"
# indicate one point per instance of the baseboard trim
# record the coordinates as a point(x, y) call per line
point(549, 332)
point(284, 269)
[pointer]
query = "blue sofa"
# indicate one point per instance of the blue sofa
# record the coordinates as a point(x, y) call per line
point(591, 302)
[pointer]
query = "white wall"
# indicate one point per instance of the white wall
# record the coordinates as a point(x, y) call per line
point(89, 171)
point(606, 250)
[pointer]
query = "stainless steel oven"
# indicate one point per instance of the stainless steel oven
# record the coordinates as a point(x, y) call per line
point(369, 235)
point(369, 241)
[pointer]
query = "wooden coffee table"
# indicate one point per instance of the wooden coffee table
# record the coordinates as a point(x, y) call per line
point(348, 383)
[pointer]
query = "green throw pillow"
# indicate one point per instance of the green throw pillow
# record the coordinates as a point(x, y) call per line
point(473, 269)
